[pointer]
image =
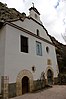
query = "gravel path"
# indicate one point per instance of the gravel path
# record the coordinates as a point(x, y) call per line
point(56, 92)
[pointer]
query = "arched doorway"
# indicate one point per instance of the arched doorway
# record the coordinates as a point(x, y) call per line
point(25, 85)
point(50, 77)
point(24, 76)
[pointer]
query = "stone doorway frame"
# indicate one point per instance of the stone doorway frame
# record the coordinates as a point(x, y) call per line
point(49, 68)
point(50, 82)
point(19, 81)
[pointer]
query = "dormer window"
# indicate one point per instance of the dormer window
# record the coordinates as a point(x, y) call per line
point(37, 32)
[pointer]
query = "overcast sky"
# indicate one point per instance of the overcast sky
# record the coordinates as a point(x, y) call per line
point(53, 14)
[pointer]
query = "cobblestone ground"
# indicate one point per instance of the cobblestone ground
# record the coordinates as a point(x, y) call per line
point(56, 92)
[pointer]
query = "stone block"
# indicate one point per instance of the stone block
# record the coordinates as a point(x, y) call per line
point(12, 90)
point(39, 84)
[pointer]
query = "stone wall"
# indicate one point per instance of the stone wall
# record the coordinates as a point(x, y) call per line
point(39, 84)
point(12, 90)
point(9, 90)
point(4, 85)
point(19, 81)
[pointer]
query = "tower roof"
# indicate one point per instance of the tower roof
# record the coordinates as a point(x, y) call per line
point(33, 8)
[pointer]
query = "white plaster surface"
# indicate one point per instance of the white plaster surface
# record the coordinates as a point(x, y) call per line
point(12, 61)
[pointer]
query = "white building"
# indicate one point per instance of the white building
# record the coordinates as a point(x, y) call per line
point(27, 55)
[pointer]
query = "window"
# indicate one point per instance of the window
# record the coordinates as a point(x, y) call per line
point(38, 48)
point(37, 32)
point(24, 44)
point(33, 68)
point(47, 49)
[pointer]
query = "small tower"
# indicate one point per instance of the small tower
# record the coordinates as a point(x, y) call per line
point(34, 13)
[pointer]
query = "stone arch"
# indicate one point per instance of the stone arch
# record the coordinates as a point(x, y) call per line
point(46, 74)
point(19, 81)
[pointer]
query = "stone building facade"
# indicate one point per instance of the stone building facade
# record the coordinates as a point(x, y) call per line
point(27, 55)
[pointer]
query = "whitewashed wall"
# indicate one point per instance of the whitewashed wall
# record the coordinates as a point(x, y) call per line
point(2, 49)
point(0, 84)
point(15, 61)
point(32, 26)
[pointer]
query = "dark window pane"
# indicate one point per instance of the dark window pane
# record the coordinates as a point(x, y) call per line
point(24, 44)
point(37, 32)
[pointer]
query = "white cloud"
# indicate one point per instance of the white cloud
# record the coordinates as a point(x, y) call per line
point(52, 17)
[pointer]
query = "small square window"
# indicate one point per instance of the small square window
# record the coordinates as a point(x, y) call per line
point(33, 68)
point(38, 48)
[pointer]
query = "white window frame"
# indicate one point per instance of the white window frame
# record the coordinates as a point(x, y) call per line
point(38, 48)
